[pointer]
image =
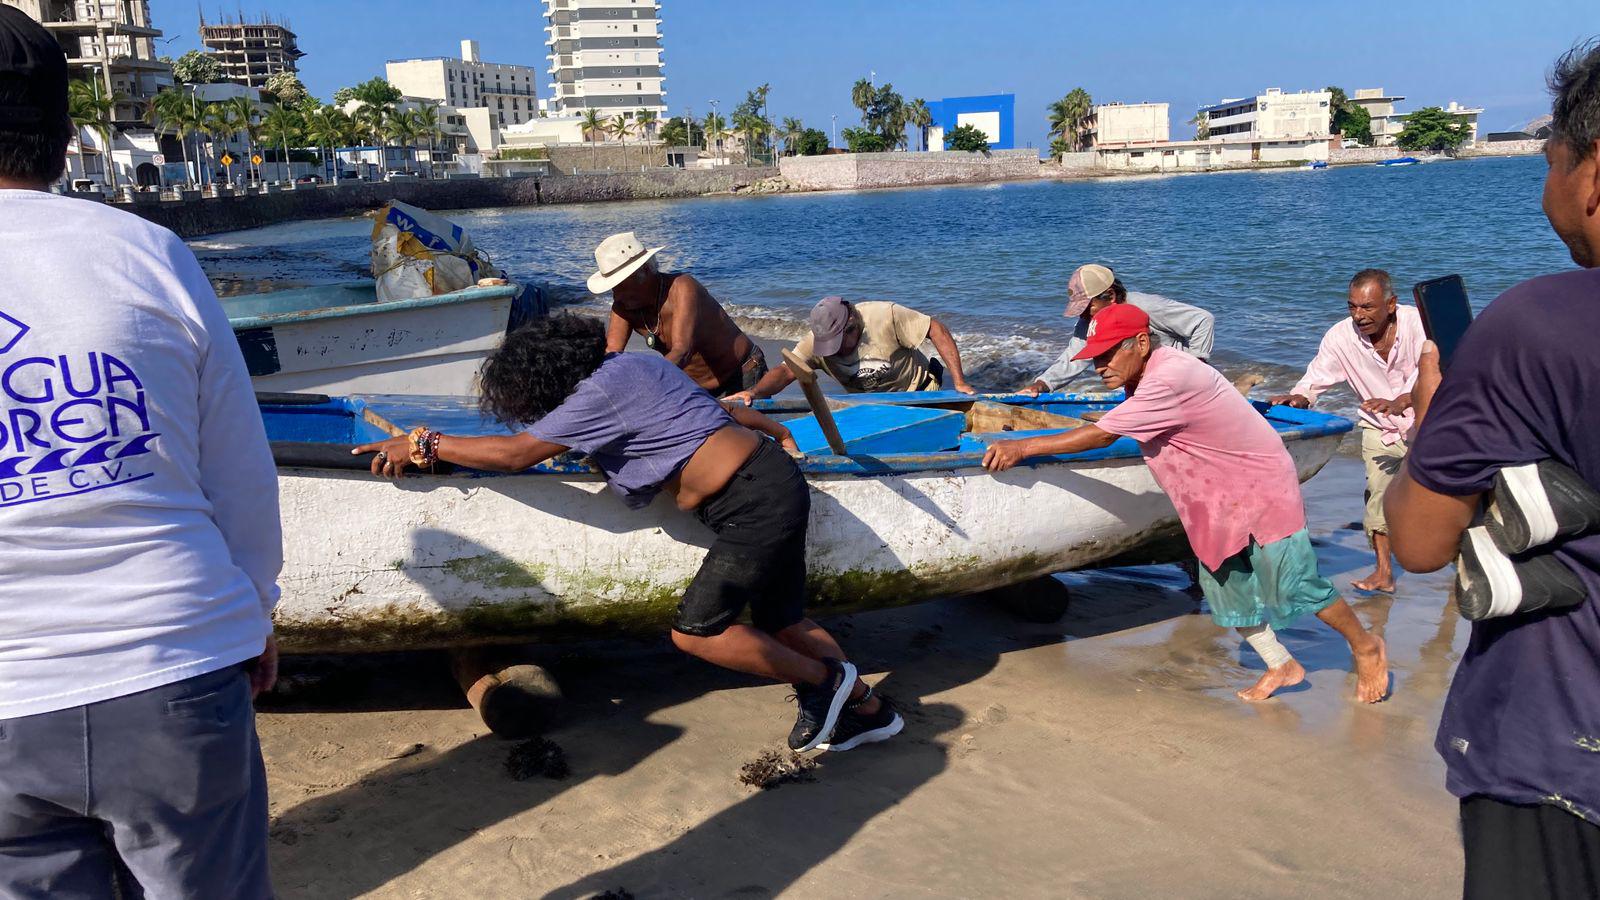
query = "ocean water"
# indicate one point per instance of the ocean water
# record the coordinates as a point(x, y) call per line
point(1270, 253)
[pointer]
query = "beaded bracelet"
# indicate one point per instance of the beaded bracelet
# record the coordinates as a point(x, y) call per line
point(424, 446)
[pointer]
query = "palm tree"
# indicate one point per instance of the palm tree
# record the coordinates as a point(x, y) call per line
point(645, 120)
point(91, 110)
point(401, 126)
point(1202, 125)
point(791, 132)
point(1070, 116)
point(716, 128)
point(321, 129)
point(173, 112)
point(754, 128)
point(215, 122)
point(920, 117)
point(370, 119)
point(427, 121)
point(861, 97)
point(282, 125)
point(621, 127)
point(241, 113)
point(593, 125)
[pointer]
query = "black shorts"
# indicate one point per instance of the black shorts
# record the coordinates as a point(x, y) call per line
point(1528, 851)
point(759, 556)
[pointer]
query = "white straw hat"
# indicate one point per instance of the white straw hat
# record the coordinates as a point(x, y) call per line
point(618, 257)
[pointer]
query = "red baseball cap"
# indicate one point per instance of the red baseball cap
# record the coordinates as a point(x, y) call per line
point(1111, 326)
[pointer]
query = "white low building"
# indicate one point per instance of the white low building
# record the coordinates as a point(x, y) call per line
point(1122, 123)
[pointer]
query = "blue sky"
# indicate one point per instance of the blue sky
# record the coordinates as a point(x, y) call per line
point(1490, 54)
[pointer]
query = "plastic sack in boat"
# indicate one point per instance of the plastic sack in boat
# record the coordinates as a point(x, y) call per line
point(418, 254)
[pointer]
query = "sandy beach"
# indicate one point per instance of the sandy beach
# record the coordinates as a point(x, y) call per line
point(1103, 756)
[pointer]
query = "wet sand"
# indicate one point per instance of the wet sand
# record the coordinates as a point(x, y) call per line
point(1103, 756)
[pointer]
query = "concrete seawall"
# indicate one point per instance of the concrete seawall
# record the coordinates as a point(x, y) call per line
point(845, 171)
point(211, 215)
point(1505, 148)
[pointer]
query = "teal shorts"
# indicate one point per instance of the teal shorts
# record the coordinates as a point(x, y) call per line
point(1273, 584)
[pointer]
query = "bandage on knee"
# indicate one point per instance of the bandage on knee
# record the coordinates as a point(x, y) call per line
point(1265, 642)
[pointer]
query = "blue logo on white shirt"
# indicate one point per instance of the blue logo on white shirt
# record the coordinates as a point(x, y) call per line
point(69, 423)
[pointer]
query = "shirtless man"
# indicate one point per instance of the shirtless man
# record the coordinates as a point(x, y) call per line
point(677, 317)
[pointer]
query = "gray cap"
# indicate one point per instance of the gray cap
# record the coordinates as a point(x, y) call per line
point(828, 321)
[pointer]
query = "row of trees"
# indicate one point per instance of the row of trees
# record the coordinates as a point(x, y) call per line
point(596, 126)
point(885, 116)
point(285, 127)
point(288, 118)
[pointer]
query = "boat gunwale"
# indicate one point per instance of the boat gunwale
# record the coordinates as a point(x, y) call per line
point(472, 294)
point(867, 465)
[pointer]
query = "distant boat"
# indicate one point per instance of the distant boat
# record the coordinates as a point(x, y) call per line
point(1399, 161)
point(465, 557)
point(1316, 164)
point(340, 339)
point(1437, 157)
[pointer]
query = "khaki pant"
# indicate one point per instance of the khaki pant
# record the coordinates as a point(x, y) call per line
point(1383, 463)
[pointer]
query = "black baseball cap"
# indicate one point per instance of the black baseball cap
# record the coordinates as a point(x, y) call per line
point(33, 73)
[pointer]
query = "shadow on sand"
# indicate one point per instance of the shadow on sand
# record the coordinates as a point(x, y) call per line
point(413, 809)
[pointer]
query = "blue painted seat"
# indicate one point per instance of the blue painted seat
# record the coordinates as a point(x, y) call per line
point(872, 429)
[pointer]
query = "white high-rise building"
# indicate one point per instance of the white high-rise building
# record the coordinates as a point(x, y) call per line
point(605, 55)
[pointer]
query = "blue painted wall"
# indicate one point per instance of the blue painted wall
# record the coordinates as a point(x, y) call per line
point(945, 112)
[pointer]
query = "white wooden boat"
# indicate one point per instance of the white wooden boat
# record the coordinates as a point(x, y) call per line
point(468, 557)
point(340, 339)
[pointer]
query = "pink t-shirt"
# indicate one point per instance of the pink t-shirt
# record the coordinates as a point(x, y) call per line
point(1219, 460)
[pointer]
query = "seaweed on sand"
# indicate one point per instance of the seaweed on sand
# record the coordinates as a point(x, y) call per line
point(771, 769)
point(537, 756)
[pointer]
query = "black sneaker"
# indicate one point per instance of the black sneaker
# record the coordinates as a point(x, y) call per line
point(1537, 503)
point(856, 729)
point(820, 706)
point(1490, 584)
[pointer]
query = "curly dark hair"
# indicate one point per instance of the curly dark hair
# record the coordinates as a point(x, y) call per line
point(538, 366)
point(1575, 88)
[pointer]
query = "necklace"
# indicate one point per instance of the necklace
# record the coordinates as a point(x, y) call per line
point(651, 338)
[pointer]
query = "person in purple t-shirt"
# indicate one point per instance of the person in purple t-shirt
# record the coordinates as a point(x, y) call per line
point(1520, 735)
point(649, 427)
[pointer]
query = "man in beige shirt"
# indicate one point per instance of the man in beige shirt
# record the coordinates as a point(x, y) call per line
point(871, 347)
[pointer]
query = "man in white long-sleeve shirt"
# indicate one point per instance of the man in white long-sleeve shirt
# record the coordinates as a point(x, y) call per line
point(139, 539)
point(1093, 288)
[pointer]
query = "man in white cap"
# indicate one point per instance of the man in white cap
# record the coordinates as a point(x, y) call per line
point(871, 347)
point(1093, 288)
point(676, 316)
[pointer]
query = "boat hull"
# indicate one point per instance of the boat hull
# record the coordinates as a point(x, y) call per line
point(427, 562)
point(424, 346)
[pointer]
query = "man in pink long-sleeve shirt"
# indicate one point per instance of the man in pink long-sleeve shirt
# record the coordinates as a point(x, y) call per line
point(1375, 351)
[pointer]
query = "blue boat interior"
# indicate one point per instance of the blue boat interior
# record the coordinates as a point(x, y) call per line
point(882, 433)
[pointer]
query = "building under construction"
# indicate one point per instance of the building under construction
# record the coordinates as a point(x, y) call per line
point(250, 52)
point(110, 43)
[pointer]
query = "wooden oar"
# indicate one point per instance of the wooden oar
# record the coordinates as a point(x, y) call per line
point(807, 377)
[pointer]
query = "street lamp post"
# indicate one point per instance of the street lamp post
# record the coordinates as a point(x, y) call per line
point(719, 131)
point(835, 142)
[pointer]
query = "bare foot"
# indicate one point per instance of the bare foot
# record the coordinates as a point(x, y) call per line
point(1372, 672)
point(1289, 674)
point(1376, 583)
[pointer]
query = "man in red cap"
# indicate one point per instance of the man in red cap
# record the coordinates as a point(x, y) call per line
point(1235, 488)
